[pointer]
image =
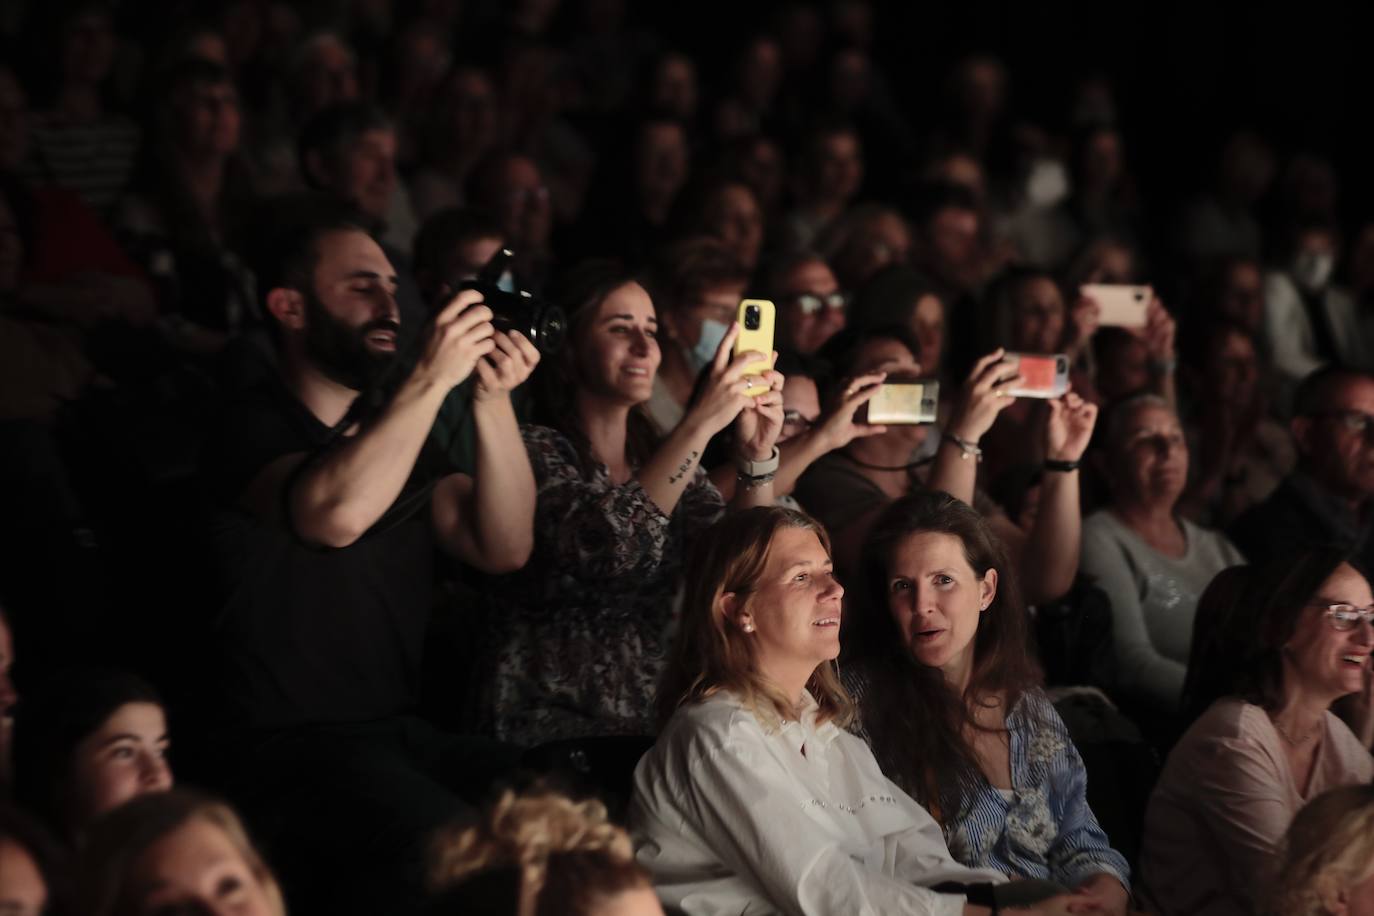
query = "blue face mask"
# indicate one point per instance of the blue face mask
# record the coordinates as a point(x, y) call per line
point(712, 333)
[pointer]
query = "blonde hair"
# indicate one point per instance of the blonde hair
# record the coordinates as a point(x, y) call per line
point(119, 839)
point(563, 856)
point(711, 652)
point(1329, 848)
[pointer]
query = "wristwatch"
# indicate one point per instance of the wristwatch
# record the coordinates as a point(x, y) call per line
point(765, 468)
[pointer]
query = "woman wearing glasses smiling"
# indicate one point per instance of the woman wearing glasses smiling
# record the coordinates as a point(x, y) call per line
point(1265, 668)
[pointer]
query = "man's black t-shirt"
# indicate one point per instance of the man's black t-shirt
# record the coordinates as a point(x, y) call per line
point(309, 635)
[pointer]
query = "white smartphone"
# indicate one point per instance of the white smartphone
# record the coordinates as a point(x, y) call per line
point(1122, 305)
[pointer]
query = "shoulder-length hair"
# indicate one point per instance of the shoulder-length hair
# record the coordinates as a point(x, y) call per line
point(580, 293)
point(1242, 625)
point(117, 840)
point(712, 653)
point(918, 729)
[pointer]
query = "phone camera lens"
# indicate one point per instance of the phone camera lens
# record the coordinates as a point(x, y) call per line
point(1061, 365)
point(751, 318)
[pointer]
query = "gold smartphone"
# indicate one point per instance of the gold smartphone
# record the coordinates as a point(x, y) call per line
point(756, 318)
point(905, 402)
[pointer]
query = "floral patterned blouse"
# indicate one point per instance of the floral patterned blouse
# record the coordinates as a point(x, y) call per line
point(1042, 827)
point(578, 637)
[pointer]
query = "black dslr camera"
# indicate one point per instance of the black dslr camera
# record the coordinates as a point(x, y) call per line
point(542, 323)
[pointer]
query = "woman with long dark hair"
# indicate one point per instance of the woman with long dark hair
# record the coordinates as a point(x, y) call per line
point(579, 635)
point(1265, 667)
point(754, 798)
point(950, 701)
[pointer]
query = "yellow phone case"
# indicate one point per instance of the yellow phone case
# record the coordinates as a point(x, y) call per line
point(758, 338)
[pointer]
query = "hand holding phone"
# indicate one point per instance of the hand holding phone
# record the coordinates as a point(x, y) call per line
point(756, 319)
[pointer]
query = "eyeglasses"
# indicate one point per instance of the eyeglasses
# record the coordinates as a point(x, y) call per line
point(795, 422)
point(1356, 421)
point(810, 303)
point(1347, 616)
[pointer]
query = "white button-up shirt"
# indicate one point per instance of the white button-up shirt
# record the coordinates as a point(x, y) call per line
point(731, 817)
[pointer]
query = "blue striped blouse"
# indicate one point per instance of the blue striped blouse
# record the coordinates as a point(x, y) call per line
point(1043, 828)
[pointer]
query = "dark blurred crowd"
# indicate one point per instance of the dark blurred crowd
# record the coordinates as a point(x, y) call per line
point(288, 461)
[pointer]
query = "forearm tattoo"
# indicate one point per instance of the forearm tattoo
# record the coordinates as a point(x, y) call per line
point(683, 468)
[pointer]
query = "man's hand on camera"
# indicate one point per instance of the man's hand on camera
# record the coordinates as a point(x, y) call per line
point(506, 367)
point(460, 336)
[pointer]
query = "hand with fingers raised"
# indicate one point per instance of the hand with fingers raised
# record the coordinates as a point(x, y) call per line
point(723, 395)
point(984, 395)
point(1069, 427)
point(506, 367)
point(460, 335)
point(760, 422)
point(836, 426)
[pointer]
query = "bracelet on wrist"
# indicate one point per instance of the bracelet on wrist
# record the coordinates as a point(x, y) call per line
point(1063, 467)
point(753, 483)
point(966, 448)
point(754, 469)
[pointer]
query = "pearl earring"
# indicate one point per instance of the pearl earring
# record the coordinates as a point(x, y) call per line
point(748, 628)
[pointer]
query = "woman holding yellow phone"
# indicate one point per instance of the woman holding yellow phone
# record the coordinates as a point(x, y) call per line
point(580, 637)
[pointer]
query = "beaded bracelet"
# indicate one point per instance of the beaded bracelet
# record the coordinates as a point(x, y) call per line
point(966, 448)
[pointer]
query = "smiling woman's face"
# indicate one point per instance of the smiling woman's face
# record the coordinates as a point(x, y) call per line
point(618, 354)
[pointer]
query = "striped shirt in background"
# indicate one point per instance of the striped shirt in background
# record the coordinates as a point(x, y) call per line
point(93, 160)
point(1042, 827)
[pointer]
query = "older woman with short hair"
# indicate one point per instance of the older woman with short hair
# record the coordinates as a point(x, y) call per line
point(1152, 563)
point(755, 799)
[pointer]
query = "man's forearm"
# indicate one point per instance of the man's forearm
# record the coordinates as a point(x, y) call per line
point(338, 497)
point(501, 510)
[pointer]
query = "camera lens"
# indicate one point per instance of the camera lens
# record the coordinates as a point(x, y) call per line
point(751, 318)
point(1061, 365)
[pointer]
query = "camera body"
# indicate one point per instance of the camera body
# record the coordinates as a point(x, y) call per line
point(543, 324)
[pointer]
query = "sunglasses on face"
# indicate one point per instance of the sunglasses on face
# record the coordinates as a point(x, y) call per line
point(810, 303)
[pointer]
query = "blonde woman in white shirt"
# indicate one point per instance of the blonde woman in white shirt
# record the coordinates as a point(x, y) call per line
point(755, 800)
